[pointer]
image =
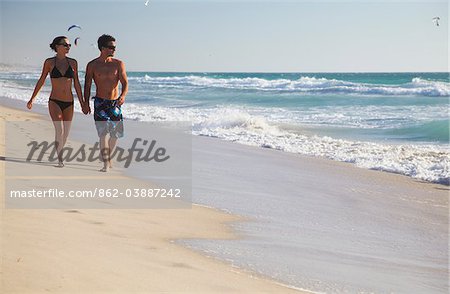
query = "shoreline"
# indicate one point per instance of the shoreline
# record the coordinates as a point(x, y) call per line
point(331, 201)
point(52, 243)
point(42, 110)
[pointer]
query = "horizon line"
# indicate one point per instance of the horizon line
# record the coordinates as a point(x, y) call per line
point(249, 72)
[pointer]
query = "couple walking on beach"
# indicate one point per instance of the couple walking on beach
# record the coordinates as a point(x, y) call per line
point(106, 72)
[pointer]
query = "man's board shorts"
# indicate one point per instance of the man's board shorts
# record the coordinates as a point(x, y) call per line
point(108, 117)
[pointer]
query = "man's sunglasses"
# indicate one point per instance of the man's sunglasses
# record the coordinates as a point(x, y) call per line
point(66, 45)
point(110, 47)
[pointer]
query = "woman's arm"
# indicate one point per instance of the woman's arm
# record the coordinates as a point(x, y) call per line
point(77, 86)
point(40, 83)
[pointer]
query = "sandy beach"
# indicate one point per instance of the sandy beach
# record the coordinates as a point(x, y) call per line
point(113, 250)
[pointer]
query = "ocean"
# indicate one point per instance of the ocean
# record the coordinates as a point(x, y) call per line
point(394, 122)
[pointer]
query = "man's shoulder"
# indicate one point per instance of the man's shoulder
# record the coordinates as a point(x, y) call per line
point(93, 61)
point(118, 61)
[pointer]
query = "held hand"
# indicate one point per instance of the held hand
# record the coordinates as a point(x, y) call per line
point(121, 100)
point(30, 104)
point(87, 108)
point(84, 109)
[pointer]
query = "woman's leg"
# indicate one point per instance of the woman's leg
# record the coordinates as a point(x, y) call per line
point(67, 122)
point(57, 117)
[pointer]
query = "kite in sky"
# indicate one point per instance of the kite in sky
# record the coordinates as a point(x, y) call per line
point(73, 26)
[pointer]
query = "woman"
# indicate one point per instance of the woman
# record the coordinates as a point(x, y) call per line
point(60, 104)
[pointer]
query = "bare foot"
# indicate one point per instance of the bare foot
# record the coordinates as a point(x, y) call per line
point(60, 164)
point(103, 169)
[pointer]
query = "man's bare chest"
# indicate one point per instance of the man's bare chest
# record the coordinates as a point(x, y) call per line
point(109, 71)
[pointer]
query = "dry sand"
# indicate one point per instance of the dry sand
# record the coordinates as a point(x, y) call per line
point(112, 250)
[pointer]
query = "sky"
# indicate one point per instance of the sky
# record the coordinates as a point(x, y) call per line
point(235, 36)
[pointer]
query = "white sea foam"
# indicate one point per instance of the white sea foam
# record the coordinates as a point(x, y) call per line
point(22, 93)
point(303, 85)
point(14, 91)
point(425, 162)
point(428, 163)
point(13, 68)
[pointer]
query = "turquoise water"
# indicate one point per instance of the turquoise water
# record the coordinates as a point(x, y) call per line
point(386, 106)
point(396, 122)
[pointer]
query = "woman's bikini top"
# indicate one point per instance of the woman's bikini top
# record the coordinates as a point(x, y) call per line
point(55, 73)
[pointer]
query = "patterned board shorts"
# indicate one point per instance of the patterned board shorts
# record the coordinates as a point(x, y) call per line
point(108, 117)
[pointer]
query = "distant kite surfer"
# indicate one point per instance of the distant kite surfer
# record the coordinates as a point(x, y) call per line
point(436, 20)
point(73, 26)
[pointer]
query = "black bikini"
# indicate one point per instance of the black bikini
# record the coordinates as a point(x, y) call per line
point(62, 104)
point(55, 74)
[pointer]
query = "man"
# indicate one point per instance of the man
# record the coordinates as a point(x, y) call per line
point(106, 72)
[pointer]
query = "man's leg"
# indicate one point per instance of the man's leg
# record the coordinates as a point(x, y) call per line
point(104, 152)
point(111, 144)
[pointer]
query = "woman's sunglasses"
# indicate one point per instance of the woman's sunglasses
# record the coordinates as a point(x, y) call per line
point(66, 45)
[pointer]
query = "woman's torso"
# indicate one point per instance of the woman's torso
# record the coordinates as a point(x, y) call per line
point(61, 76)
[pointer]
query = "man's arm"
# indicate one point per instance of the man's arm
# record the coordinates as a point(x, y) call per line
point(87, 85)
point(124, 82)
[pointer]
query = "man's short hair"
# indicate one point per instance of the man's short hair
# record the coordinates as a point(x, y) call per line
point(103, 41)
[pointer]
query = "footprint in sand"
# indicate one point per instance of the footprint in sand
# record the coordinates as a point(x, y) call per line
point(181, 265)
point(95, 222)
point(73, 211)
